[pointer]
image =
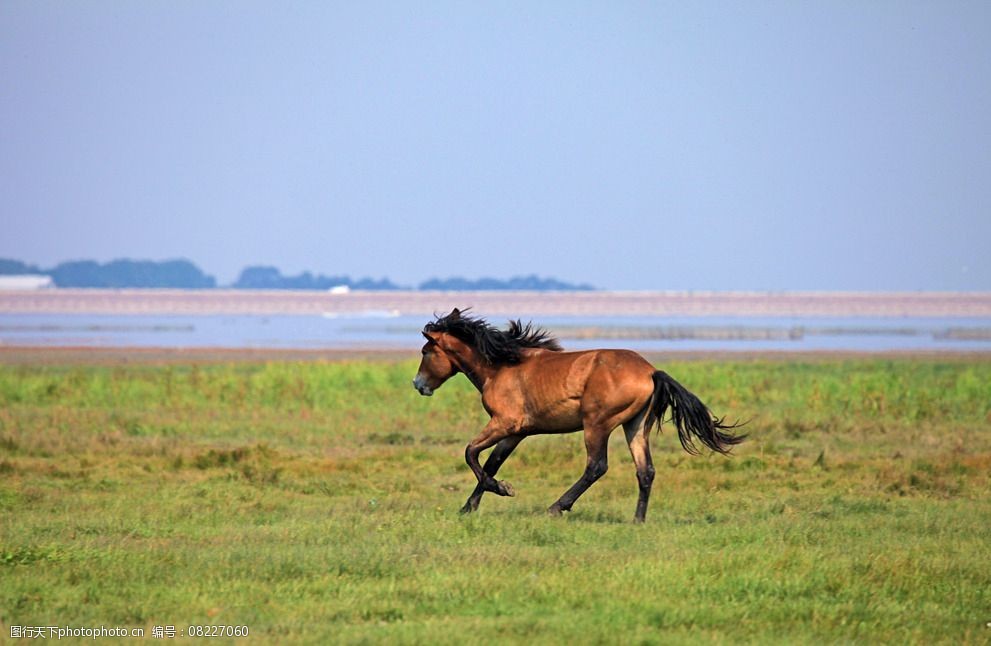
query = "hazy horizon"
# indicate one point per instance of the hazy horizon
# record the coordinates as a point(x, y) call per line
point(769, 146)
point(398, 286)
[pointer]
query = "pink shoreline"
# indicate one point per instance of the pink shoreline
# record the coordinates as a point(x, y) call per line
point(512, 304)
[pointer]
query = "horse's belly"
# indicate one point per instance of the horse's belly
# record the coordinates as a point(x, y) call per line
point(561, 415)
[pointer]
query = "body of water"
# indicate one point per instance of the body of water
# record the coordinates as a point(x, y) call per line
point(375, 330)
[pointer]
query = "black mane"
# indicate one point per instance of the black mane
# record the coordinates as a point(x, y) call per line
point(495, 345)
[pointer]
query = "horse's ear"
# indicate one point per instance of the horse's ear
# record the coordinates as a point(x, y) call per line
point(430, 337)
point(455, 314)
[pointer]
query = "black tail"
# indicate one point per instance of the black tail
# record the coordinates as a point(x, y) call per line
point(690, 417)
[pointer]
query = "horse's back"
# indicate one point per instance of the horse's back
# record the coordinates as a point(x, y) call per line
point(574, 370)
point(620, 379)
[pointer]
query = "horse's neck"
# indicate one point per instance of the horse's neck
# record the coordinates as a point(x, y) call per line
point(478, 371)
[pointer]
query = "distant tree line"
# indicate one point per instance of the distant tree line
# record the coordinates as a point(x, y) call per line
point(183, 274)
point(527, 283)
point(271, 278)
point(180, 274)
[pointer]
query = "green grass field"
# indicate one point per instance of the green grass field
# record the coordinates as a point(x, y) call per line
point(317, 502)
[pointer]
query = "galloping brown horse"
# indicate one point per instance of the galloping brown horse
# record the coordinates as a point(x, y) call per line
point(530, 386)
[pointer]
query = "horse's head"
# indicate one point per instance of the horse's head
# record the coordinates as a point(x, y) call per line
point(436, 366)
point(438, 363)
point(463, 343)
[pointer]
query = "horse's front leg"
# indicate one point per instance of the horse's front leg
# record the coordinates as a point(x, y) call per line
point(493, 433)
point(499, 454)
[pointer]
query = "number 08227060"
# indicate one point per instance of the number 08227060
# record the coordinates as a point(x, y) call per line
point(216, 631)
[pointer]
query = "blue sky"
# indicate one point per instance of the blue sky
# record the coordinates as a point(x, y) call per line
point(758, 145)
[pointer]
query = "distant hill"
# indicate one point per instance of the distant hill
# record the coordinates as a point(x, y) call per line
point(521, 283)
point(183, 274)
point(179, 274)
point(263, 277)
point(16, 267)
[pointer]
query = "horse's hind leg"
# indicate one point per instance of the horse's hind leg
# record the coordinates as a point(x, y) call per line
point(638, 439)
point(596, 444)
point(492, 464)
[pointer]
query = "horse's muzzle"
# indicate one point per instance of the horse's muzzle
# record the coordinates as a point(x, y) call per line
point(421, 387)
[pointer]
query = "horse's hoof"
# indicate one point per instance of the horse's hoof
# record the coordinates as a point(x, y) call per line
point(467, 509)
point(554, 511)
point(506, 489)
